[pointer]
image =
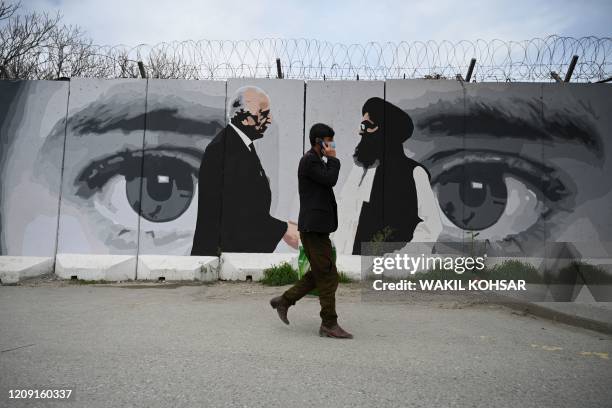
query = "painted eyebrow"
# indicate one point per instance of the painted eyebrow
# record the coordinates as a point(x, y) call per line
point(483, 118)
point(163, 119)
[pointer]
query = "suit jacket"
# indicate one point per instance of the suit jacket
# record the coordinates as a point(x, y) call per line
point(234, 200)
point(391, 215)
point(318, 209)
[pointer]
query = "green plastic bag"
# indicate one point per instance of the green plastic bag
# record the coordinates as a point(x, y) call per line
point(304, 265)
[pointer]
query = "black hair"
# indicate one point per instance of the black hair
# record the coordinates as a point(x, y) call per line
point(319, 131)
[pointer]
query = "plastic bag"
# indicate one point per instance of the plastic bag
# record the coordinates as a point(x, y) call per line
point(304, 264)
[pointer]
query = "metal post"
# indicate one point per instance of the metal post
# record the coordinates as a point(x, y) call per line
point(603, 81)
point(555, 76)
point(470, 70)
point(358, 77)
point(141, 67)
point(570, 69)
point(279, 71)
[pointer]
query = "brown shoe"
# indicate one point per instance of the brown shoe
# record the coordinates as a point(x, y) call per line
point(282, 306)
point(335, 332)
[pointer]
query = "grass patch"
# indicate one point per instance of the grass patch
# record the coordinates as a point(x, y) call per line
point(279, 275)
point(343, 277)
point(285, 274)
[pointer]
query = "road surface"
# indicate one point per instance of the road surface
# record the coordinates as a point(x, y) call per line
point(222, 345)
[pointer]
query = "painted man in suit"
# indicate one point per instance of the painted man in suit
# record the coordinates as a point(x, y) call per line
point(234, 192)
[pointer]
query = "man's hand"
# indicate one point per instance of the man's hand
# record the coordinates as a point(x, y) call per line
point(292, 237)
point(328, 150)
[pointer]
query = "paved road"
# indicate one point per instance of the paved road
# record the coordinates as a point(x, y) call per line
point(222, 345)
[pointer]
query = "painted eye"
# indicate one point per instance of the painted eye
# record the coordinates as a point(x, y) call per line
point(473, 197)
point(168, 185)
point(498, 197)
point(114, 185)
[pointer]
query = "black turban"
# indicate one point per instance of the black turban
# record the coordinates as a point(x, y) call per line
point(397, 124)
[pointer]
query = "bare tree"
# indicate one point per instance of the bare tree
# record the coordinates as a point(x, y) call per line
point(37, 46)
point(69, 53)
point(21, 38)
point(127, 67)
point(163, 64)
point(7, 10)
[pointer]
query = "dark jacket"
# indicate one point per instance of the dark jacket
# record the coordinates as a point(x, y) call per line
point(234, 200)
point(318, 209)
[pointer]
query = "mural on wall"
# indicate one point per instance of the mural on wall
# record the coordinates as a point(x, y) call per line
point(102, 167)
point(398, 203)
point(382, 194)
point(235, 197)
point(489, 151)
point(505, 177)
point(577, 146)
point(197, 167)
point(339, 105)
point(437, 111)
point(236, 179)
point(30, 165)
point(182, 118)
point(281, 149)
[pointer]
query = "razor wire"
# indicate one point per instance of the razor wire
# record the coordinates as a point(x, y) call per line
point(309, 59)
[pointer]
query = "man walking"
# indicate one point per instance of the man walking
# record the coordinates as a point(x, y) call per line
point(318, 217)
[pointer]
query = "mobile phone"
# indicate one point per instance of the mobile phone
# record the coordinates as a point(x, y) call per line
point(321, 143)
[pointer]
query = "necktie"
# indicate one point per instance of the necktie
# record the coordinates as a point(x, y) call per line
point(256, 158)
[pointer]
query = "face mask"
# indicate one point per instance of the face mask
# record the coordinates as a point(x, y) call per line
point(250, 131)
point(331, 144)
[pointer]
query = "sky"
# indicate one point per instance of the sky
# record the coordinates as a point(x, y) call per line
point(132, 22)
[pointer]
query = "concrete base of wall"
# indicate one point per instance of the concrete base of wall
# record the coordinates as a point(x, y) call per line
point(201, 268)
point(231, 266)
point(96, 267)
point(350, 265)
point(241, 266)
point(15, 268)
